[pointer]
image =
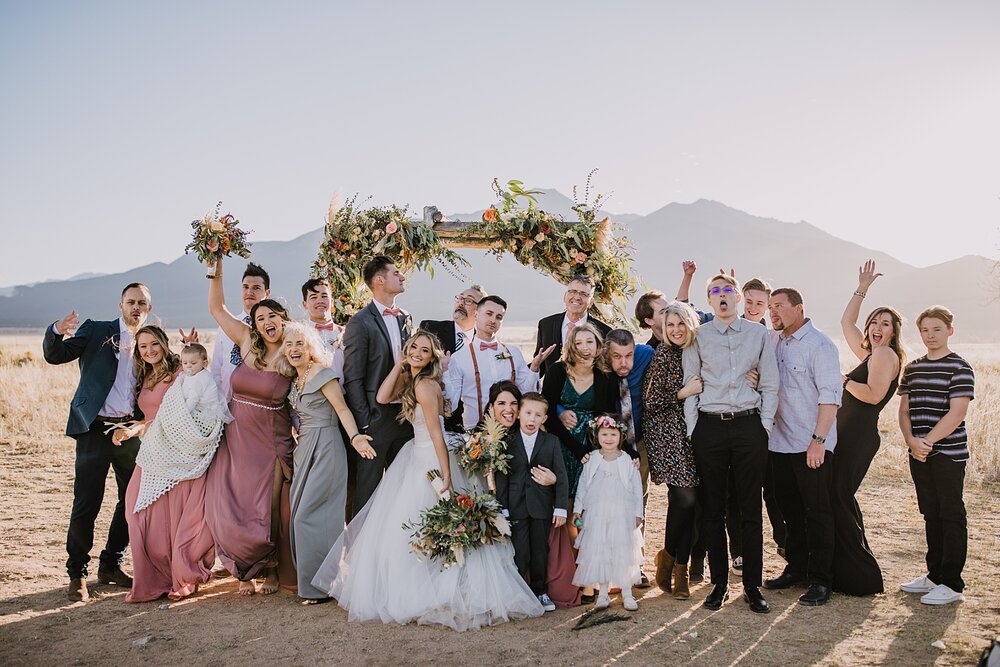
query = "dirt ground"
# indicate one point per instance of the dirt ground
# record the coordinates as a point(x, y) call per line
point(216, 627)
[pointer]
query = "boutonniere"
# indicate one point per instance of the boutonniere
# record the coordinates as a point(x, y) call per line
point(502, 355)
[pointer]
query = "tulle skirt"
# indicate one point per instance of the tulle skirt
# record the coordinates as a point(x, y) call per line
point(609, 544)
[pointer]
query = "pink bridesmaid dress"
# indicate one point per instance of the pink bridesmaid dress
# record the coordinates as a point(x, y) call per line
point(172, 547)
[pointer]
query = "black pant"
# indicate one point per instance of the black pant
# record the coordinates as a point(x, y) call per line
point(388, 437)
point(530, 538)
point(94, 455)
point(803, 494)
point(733, 519)
point(720, 446)
point(773, 511)
point(940, 482)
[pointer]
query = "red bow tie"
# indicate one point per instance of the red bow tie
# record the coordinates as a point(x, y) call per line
point(487, 346)
point(325, 326)
point(391, 311)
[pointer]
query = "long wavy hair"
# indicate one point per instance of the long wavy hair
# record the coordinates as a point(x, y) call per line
point(258, 348)
point(896, 344)
point(408, 395)
point(570, 355)
point(153, 374)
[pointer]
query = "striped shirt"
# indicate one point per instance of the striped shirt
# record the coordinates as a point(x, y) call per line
point(931, 384)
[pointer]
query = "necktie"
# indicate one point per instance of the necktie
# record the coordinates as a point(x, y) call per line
point(391, 311)
point(235, 358)
point(569, 330)
point(626, 401)
point(325, 326)
point(459, 340)
point(488, 346)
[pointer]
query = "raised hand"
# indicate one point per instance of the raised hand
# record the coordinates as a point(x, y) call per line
point(689, 266)
point(867, 275)
point(190, 337)
point(68, 324)
point(732, 272)
point(542, 355)
point(445, 362)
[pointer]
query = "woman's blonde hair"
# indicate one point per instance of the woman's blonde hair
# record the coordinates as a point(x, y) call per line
point(570, 355)
point(408, 396)
point(896, 344)
point(153, 374)
point(688, 317)
point(258, 348)
point(317, 349)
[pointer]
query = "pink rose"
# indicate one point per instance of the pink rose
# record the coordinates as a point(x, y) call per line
point(212, 246)
point(391, 228)
point(581, 258)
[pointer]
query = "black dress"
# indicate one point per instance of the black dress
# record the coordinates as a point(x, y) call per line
point(855, 570)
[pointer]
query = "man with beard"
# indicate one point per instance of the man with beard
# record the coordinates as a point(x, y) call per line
point(455, 334)
point(553, 330)
point(104, 397)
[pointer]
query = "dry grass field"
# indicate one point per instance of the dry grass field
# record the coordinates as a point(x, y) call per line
point(216, 627)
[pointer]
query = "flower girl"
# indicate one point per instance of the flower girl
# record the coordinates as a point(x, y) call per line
point(608, 508)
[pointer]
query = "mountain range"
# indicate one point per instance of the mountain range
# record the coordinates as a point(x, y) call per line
point(822, 266)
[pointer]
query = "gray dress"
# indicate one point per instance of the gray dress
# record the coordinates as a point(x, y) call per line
point(319, 481)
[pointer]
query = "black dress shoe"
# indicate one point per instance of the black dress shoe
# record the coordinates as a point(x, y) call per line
point(785, 580)
point(815, 596)
point(643, 581)
point(588, 599)
point(756, 601)
point(716, 597)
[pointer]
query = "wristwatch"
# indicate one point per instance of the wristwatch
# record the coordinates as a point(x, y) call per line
point(820, 439)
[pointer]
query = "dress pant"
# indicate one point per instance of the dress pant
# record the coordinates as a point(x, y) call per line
point(733, 519)
point(940, 482)
point(530, 538)
point(95, 454)
point(773, 511)
point(804, 496)
point(388, 437)
point(739, 445)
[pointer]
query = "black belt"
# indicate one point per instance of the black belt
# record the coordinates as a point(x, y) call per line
point(115, 420)
point(729, 416)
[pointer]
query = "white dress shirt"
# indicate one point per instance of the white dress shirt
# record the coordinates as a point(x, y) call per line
point(334, 338)
point(121, 399)
point(222, 368)
point(460, 380)
point(392, 324)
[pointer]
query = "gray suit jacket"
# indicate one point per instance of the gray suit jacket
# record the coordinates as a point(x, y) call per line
point(368, 360)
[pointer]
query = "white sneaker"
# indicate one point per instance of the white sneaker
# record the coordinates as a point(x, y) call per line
point(603, 602)
point(629, 603)
point(738, 565)
point(942, 595)
point(919, 585)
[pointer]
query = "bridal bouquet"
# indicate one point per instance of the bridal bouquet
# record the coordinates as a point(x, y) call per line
point(216, 235)
point(458, 523)
point(485, 452)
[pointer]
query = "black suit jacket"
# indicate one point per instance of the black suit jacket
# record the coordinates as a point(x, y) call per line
point(550, 332)
point(518, 493)
point(94, 345)
point(368, 360)
point(445, 331)
point(605, 400)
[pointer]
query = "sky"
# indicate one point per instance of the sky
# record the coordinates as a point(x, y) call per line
point(121, 122)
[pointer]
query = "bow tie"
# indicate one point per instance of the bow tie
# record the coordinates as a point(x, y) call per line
point(391, 311)
point(487, 346)
point(325, 326)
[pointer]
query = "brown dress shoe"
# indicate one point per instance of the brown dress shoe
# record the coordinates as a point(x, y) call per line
point(664, 566)
point(114, 576)
point(77, 590)
point(681, 589)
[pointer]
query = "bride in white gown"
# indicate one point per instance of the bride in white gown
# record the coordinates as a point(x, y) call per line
point(371, 570)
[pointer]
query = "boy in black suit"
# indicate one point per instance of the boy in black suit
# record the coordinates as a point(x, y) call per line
point(533, 508)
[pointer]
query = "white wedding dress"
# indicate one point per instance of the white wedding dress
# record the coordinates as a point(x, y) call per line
point(373, 574)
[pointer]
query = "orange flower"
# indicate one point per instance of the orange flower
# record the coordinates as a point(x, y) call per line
point(225, 244)
point(490, 214)
point(464, 501)
point(475, 452)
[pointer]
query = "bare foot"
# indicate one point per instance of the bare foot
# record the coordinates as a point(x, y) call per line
point(270, 585)
point(247, 588)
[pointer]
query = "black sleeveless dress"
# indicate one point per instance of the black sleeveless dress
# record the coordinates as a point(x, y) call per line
point(855, 570)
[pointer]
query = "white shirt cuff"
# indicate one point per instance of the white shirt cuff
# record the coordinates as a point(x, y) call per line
point(559, 512)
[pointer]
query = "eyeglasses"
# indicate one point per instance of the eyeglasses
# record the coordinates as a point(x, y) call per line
point(467, 300)
point(576, 292)
point(728, 289)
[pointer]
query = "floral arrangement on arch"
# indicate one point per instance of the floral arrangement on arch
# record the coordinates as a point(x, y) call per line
point(353, 236)
point(559, 248)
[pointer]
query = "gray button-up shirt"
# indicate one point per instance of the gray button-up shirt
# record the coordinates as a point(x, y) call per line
point(809, 366)
point(721, 355)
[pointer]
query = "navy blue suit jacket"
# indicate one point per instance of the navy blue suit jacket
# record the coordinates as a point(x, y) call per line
point(94, 345)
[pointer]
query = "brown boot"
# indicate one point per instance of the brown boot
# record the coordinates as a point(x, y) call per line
point(681, 590)
point(664, 565)
point(77, 590)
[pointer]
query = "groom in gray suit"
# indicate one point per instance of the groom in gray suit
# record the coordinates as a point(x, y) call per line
point(373, 342)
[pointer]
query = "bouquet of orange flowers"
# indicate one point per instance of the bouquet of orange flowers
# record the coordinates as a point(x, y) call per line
point(485, 452)
point(216, 235)
point(458, 523)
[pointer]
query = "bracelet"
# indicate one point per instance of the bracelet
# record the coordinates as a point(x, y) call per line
point(846, 380)
point(820, 439)
point(351, 441)
point(858, 292)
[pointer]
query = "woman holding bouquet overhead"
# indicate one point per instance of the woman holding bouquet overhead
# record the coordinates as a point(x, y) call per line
point(246, 501)
point(372, 570)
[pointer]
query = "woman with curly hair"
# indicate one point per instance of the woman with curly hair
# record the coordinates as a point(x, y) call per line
point(372, 571)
